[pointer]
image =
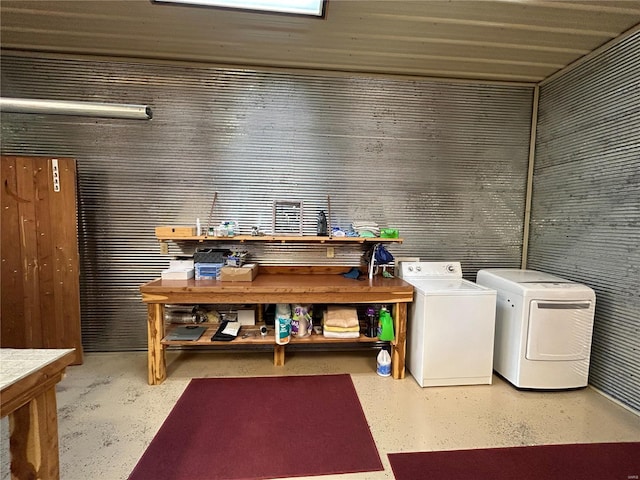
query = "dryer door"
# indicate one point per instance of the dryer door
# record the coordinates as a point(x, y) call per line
point(559, 330)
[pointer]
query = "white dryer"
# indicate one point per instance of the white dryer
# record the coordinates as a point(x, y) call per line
point(544, 325)
point(451, 323)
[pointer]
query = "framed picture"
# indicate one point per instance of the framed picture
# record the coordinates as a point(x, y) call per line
point(287, 217)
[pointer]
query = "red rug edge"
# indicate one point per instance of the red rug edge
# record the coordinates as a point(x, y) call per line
point(405, 464)
point(515, 446)
point(364, 419)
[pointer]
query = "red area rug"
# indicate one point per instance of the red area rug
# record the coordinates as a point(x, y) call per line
point(265, 427)
point(601, 461)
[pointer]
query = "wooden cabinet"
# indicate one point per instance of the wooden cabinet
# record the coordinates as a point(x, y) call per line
point(40, 283)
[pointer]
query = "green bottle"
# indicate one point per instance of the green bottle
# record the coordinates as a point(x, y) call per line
point(386, 326)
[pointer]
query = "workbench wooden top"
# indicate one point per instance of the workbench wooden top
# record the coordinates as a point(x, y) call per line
point(284, 288)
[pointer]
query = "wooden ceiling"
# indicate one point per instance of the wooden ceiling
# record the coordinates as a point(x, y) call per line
point(499, 40)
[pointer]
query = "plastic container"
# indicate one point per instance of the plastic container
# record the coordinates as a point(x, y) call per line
point(283, 323)
point(301, 321)
point(372, 324)
point(386, 326)
point(384, 363)
point(389, 233)
point(283, 330)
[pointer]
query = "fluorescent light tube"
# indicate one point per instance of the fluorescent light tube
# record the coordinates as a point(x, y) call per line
point(84, 109)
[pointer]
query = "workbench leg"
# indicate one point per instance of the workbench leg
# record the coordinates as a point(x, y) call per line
point(34, 439)
point(156, 362)
point(399, 345)
point(278, 355)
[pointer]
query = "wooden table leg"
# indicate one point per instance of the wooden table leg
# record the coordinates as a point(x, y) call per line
point(156, 362)
point(399, 345)
point(278, 355)
point(34, 439)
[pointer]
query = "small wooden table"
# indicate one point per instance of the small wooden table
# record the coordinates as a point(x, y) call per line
point(269, 289)
point(28, 379)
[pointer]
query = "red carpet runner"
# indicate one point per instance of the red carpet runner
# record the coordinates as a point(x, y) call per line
point(597, 461)
point(266, 427)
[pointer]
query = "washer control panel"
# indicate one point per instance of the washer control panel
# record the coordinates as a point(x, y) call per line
point(433, 270)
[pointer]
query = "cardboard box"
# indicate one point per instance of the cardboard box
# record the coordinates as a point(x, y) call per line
point(164, 232)
point(246, 273)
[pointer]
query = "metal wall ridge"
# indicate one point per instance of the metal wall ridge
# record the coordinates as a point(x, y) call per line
point(585, 220)
point(445, 162)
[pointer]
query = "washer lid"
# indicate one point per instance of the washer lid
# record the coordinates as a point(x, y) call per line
point(453, 286)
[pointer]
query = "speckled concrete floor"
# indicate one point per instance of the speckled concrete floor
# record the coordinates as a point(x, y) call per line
point(108, 414)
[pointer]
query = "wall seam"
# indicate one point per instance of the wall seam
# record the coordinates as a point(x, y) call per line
point(529, 193)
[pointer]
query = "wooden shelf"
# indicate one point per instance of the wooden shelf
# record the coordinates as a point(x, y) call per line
point(255, 338)
point(281, 239)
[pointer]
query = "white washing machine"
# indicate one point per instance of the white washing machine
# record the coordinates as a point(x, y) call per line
point(451, 323)
point(544, 325)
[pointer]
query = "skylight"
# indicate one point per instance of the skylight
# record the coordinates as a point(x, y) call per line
point(298, 7)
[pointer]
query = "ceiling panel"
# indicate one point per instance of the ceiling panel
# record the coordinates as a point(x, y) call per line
point(509, 40)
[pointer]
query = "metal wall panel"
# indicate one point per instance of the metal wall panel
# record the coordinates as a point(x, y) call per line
point(504, 40)
point(444, 163)
point(585, 221)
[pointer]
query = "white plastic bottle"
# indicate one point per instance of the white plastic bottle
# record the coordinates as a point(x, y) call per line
point(283, 323)
point(283, 330)
point(384, 363)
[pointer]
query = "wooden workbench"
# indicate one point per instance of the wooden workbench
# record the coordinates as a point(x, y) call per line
point(270, 289)
point(28, 396)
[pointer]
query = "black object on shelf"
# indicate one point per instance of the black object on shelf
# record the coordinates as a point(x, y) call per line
point(210, 255)
point(322, 230)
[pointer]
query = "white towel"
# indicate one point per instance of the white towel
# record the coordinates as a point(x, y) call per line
point(341, 334)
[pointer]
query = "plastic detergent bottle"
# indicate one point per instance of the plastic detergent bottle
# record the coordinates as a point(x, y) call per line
point(384, 363)
point(372, 325)
point(386, 326)
point(283, 323)
point(283, 330)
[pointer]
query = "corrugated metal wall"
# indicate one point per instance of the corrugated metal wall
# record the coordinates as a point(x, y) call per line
point(444, 163)
point(585, 222)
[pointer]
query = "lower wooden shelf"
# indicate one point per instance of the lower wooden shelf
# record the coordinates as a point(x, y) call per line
point(250, 335)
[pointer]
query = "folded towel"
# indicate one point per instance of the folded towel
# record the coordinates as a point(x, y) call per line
point(340, 316)
point(341, 334)
point(341, 329)
point(366, 228)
